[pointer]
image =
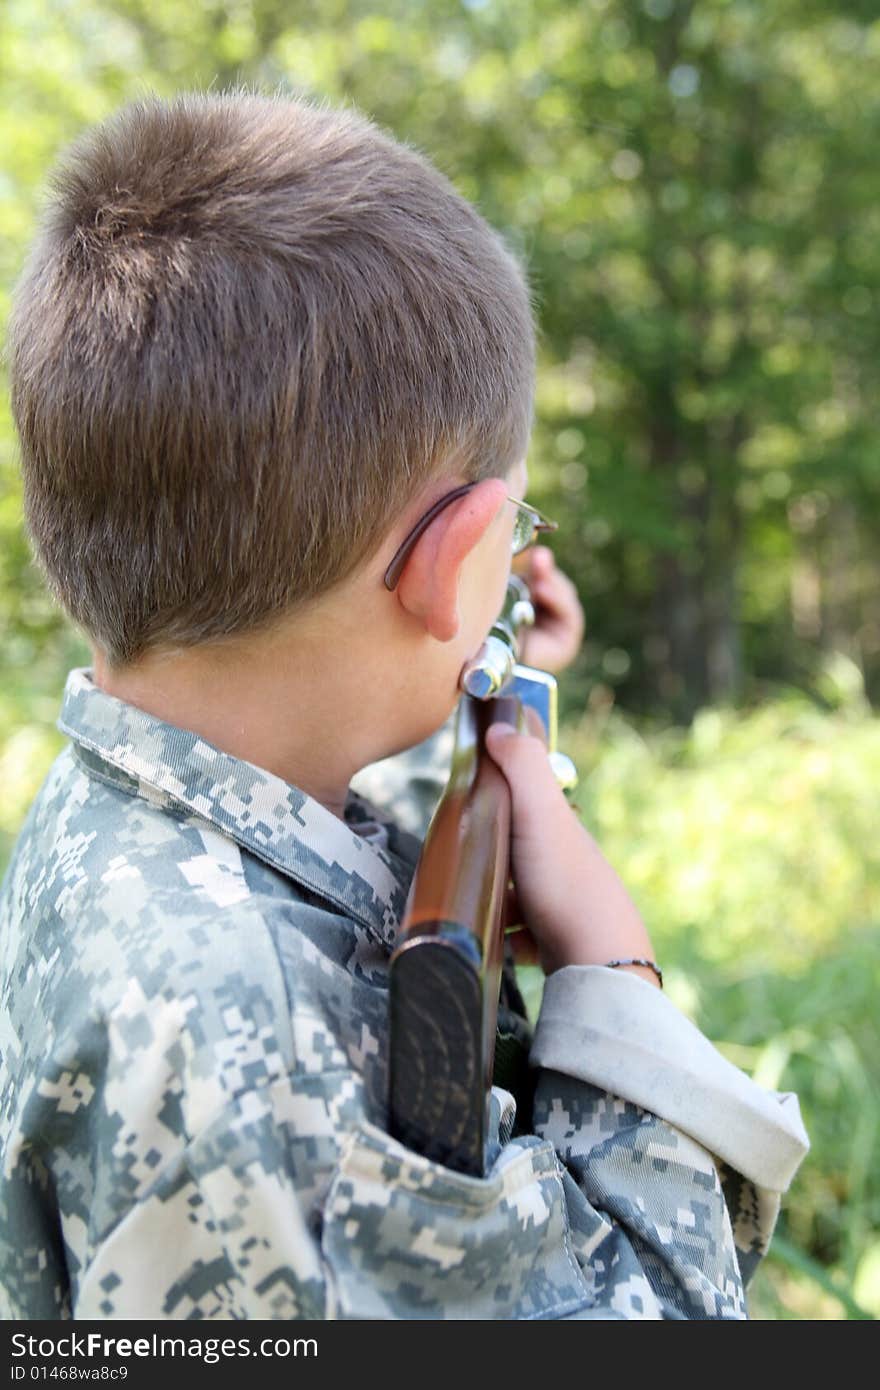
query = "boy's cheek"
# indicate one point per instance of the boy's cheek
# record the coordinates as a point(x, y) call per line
point(498, 570)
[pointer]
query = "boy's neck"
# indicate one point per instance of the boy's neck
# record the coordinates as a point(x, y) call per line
point(245, 714)
point(311, 712)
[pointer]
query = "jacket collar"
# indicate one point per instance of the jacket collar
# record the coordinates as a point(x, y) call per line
point(266, 815)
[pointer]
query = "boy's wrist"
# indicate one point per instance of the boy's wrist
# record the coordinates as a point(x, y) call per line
point(646, 972)
point(646, 968)
point(621, 936)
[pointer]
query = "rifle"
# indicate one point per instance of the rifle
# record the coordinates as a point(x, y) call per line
point(446, 970)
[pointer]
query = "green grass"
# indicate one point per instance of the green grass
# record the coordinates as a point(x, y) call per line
point(30, 701)
point(750, 843)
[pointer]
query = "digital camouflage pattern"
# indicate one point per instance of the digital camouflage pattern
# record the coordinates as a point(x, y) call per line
point(193, 1034)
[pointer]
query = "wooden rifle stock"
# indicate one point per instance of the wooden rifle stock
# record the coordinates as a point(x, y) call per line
point(446, 969)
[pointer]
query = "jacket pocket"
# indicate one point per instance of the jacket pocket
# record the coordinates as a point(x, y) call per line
point(407, 1238)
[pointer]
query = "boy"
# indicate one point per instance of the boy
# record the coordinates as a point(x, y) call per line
point(256, 342)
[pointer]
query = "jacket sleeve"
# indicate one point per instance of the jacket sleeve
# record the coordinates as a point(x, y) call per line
point(684, 1157)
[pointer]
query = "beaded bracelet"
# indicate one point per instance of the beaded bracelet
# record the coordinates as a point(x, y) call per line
point(650, 965)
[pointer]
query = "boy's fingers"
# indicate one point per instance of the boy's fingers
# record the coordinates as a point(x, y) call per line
point(513, 914)
point(524, 762)
point(534, 563)
point(524, 946)
point(516, 933)
point(516, 752)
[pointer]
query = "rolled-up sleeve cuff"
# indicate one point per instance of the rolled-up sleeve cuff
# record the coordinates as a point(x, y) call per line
point(620, 1033)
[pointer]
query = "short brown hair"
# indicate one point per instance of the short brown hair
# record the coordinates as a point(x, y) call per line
point(250, 331)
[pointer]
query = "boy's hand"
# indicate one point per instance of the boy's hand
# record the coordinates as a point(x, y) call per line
point(555, 640)
point(569, 897)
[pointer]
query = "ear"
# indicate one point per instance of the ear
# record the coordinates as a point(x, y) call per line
point(428, 586)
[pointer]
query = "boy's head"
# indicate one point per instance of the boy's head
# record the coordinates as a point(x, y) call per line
point(252, 333)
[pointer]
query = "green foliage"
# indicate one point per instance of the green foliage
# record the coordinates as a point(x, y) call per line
point(29, 741)
point(761, 822)
point(691, 183)
point(749, 843)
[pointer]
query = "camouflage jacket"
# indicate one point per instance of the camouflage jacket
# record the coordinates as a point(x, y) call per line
point(193, 1034)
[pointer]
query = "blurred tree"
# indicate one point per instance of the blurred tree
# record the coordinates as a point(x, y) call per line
point(691, 185)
